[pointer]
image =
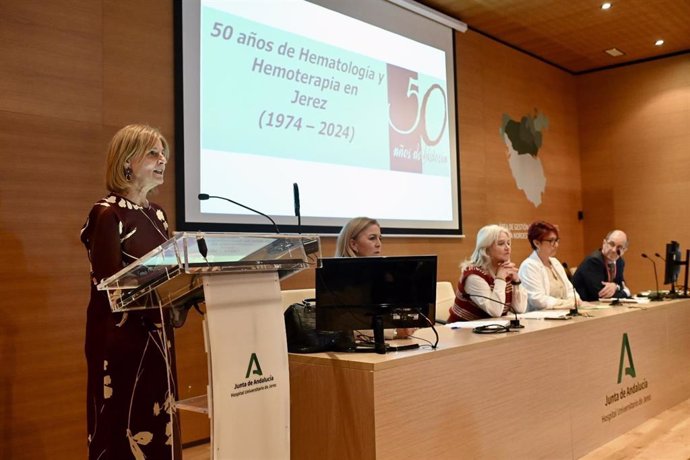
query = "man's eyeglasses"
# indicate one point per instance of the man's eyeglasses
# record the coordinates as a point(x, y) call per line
point(552, 241)
point(619, 248)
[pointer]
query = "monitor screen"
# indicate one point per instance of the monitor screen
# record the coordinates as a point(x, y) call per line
point(398, 292)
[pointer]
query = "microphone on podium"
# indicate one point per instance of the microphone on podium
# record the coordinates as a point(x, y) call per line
point(659, 256)
point(657, 295)
point(201, 244)
point(295, 196)
point(206, 196)
point(514, 323)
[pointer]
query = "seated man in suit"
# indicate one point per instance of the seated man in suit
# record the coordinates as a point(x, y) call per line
point(600, 275)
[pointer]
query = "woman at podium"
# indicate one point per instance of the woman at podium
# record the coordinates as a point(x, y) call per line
point(131, 384)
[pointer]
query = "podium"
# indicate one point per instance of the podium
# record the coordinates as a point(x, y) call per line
point(237, 275)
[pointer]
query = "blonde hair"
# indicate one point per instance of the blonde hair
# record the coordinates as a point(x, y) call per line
point(129, 144)
point(486, 236)
point(351, 231)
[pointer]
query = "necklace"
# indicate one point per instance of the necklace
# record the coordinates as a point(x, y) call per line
point(165, 237)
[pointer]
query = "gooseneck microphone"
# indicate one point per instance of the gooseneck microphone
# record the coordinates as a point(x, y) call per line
point(514, 323)
point(657, 295)
point(295, 195)
point(206, 196)
point(659, 256)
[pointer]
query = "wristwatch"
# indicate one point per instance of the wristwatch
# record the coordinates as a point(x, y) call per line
point(515, 283)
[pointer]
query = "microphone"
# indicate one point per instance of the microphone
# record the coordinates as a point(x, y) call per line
point(514, 323)
point(657, 295)
point(201, 244)
point(206, 196)
point(295, 195)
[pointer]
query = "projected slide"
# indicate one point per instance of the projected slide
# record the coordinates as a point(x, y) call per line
point(358, 116)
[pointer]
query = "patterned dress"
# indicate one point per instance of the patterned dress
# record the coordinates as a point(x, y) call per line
point(131, 387)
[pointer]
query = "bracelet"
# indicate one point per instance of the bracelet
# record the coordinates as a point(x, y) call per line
point(515, 283)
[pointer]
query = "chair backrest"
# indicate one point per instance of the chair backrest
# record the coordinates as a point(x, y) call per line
point(291, 296)
point(445, 296)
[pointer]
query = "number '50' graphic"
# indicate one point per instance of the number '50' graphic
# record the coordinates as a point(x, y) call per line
point(420, 122)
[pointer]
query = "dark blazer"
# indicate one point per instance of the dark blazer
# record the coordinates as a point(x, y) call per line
point(590, 274)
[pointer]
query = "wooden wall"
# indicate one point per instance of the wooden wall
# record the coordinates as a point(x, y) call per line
point(71, 74)
point(635, 146)
point(73, 71)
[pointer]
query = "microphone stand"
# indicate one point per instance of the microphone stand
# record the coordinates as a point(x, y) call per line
point(298, 214)
point(657, 295)
point(206, 196)
point(514, 323)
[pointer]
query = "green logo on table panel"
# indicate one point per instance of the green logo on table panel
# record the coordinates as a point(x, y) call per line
point(625, 350)
point(254, 366)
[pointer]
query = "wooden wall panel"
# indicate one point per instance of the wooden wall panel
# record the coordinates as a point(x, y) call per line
point(634, 141)
point(45, 190)
point(50, 61)
point(72, 72)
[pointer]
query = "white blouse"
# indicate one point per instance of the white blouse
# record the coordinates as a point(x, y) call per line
point(536, 279)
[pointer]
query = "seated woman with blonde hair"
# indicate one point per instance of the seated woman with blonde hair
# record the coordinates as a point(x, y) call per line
point(489, 285)
point(361, 237)
point(542, 275)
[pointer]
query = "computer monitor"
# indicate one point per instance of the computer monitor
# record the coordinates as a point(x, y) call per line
point(672, 263)
point(375, 293)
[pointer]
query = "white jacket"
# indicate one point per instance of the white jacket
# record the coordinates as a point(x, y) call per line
point(535, 278)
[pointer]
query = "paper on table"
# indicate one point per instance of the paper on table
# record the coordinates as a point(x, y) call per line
point(477, 323)
point(622, 300)
point(541, 314)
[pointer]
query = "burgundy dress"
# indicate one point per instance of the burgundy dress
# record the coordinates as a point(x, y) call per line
point(130, 389)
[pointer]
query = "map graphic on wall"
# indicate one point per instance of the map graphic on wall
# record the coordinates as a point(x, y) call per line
point(524, 139)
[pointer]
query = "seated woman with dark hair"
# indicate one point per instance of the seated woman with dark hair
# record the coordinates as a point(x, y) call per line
point(489, 284)
point(542, 275)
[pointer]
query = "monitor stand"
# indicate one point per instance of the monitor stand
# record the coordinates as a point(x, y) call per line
point(379, 341)
point(380, 346)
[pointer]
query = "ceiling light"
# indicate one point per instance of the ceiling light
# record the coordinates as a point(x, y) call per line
point(605, 6)
point(659, 42)
point(615, 52)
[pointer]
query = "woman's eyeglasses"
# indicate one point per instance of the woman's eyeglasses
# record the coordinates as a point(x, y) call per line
point(552, 241)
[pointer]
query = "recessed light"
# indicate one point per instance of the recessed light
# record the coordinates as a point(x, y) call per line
point(659, 42)
point(615, 52)
point(605, 6)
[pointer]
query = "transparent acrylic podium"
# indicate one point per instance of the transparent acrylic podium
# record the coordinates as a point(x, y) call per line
point(249, 393)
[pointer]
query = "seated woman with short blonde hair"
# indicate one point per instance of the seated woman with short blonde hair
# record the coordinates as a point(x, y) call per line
point(489, 284)
point(361, 237)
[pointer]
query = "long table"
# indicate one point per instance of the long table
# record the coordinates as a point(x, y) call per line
point(555, 389)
